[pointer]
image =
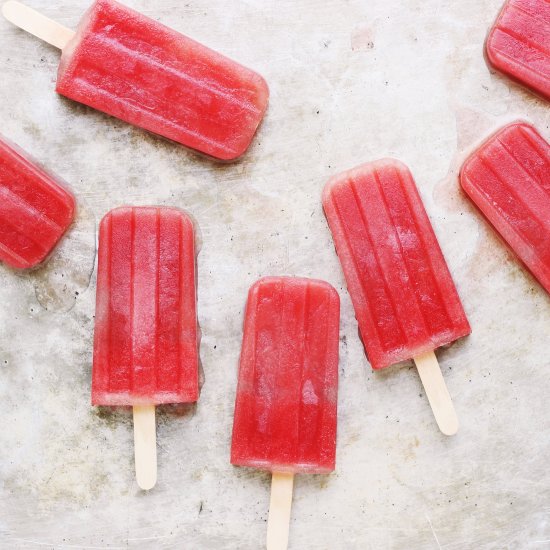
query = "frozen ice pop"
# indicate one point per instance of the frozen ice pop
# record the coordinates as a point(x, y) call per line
point(405, 301)
point(35, 209)
point(134, 68)
point(146, 336)
point(285, 409)
point(508, 178)
point(518, 44)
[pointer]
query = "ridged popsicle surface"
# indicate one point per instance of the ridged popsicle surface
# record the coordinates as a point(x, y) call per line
point(508, 178)
point(35, 210)
point(404, 298)
point(518, 44)
point(285, 410)
point(134, 68)
point(146, 336)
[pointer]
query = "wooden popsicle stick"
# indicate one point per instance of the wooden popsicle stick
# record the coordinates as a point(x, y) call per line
point(436, 390)
point(278, 522)
point(145, 446)
point(37, 24)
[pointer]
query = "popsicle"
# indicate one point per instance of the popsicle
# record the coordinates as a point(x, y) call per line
point(134, 68)
point(146, 336)
point(285, 409)
point(35, 209)
point(518, 44)
point(508, 178)
point(404, 298)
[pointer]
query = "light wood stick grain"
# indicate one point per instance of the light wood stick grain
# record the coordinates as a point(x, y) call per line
point(37, 24)
point(145, 446)
point(278, 522)
point(436, 390)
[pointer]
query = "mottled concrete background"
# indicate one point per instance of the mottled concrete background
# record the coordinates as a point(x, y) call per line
point(350, 81)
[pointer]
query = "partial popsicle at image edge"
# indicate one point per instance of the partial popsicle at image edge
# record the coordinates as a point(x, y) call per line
point(518, 44)
point(508, 179)
point(35, 209)
point(405, 300)
point(136, 69)
point(286, 403)
point(146, 333)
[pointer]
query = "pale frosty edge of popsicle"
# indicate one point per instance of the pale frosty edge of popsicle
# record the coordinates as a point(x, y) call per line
point(146, 333)
point(134, 68)
point(517, 44)
point(404, 298)
point(286, 401)
point(507, 178)
point(36, 208)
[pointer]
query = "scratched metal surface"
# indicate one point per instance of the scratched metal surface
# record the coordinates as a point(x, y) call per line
point(350, 81)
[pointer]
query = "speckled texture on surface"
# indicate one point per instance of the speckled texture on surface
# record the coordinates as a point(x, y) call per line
point(350, 82)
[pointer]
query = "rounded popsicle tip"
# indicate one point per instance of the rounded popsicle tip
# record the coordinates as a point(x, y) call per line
point(490, 58)
point(145, 446)
point(8, 8)
point(14, 12)
point(349, 179)
point(464, 176)
point(493, 55)
point(293, 282)
point(449, 427)
point(146, 480)
point(248, 130)
point(364, 169)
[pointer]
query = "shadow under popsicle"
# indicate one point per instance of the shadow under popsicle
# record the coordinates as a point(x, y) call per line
point(68, 272)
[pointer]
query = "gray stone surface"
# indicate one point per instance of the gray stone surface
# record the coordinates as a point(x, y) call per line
point(350, 81)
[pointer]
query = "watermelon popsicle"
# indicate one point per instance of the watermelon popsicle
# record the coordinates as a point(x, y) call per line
point(134, 68)
point(35, 209)
point(146, 335)
point(285, 409)
point(518, 44)
point(404, 298)
point(507, 178)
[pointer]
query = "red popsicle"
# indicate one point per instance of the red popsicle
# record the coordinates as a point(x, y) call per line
point(404, 298)
point(518, 44)
point(134, 68)
point(35, 209)
point(146, 337)
point(285, 410)
point(508, 178)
